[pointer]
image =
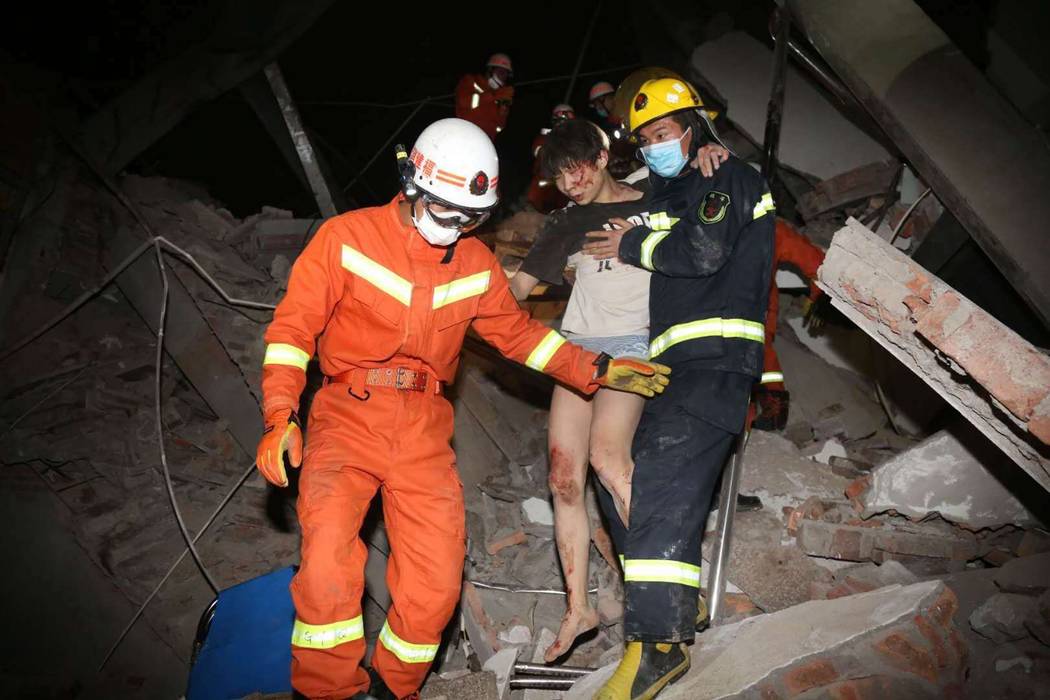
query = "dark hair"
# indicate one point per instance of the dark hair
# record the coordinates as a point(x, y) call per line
point(570, 143)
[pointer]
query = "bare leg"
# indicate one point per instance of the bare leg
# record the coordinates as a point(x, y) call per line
point(570, 422)
point(616, 415)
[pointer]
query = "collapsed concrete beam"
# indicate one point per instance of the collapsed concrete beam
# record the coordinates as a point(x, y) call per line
point(895, 642)
point(326, 193)
point(993, 377)
point(815, 138)
point(246, 37)
point(932, 102)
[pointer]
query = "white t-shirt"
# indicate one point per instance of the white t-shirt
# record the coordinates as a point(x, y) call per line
point(608, 298)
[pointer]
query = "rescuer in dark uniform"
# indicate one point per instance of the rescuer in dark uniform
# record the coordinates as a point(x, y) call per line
point(710, 248)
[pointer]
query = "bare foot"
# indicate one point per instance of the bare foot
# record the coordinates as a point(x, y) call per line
point(573, 624)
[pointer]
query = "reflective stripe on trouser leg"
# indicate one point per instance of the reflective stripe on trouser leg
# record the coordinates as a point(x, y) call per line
point(425, 523)
point(328, 637)
point(772, 375)
point(678, 459)
point(407, 652)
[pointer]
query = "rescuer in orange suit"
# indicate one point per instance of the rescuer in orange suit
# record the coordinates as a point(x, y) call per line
point(485, 99)
point(385, 295)
point(793, 249)
point(543, 195)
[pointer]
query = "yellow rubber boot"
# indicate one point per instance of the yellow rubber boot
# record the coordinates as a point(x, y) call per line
point(703, 617)
point(645, 670)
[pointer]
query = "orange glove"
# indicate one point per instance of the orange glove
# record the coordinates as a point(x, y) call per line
point(281, 434)
point(632, 374)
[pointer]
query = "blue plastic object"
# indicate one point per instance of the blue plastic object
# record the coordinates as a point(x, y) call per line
point(248, 645)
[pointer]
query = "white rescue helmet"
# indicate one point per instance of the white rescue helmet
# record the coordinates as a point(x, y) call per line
point(500, 60)
point(456, 163)
point(600, 89)
point(562, 112)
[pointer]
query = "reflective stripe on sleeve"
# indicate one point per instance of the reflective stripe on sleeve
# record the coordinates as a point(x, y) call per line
point(463, 288)
point(772, 377)
point(407, 651)
point(764, 206)
point(649, 247)
point(543, 352)
point(660, 221)
point(706, 328)
point(386, 280)
point(284, 354)
point(327, 636)
point(662, 571)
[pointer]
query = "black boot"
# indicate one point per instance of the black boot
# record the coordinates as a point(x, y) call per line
point(744, 503)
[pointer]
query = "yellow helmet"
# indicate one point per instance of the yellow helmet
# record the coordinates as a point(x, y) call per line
point(657, 98)
point(629, 88)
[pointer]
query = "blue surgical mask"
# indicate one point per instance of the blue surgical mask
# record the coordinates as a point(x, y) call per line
point(602, 112)
point(666, 158)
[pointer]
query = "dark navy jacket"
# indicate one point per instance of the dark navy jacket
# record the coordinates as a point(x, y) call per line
point(710, 247)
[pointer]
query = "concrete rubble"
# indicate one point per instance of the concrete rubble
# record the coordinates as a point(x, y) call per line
point(893, 553)
point(899, 641)
point(949, 477)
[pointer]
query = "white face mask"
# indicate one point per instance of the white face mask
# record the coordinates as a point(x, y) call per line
point(494, 82)
point(432, 231)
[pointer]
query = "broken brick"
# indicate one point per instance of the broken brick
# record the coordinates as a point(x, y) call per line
point(856, 489)
point(900, 652)
point(810, 675)
point(515, 538)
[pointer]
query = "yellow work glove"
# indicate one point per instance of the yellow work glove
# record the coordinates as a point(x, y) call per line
point(281, 434)
point(814, 312)
point(632, 374)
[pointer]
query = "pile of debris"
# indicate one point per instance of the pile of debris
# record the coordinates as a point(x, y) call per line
point(79, 403)
point(895, 551)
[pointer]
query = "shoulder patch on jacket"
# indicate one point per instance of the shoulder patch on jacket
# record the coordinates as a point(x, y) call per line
point(713, 207)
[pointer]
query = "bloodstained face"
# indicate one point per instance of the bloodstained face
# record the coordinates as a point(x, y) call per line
point(581, 182)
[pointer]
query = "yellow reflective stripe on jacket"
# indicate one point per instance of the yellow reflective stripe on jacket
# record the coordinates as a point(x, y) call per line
point(662, 571)
point(660, 221)
point(772, 377)
point(407, 651)
point(327, 636)
point(386, 280)
point(706, 328)
point(764, 205)
point(649, 246)
point(284, 354)
point(543, 352)
point(463, 288)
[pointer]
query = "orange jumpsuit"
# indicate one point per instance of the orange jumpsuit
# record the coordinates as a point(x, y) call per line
point(792, 248)
point(379, 296)
point(478, 103)
point(545, 198)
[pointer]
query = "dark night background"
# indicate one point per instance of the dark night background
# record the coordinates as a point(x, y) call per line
point(89, 52)
point(94, 50)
